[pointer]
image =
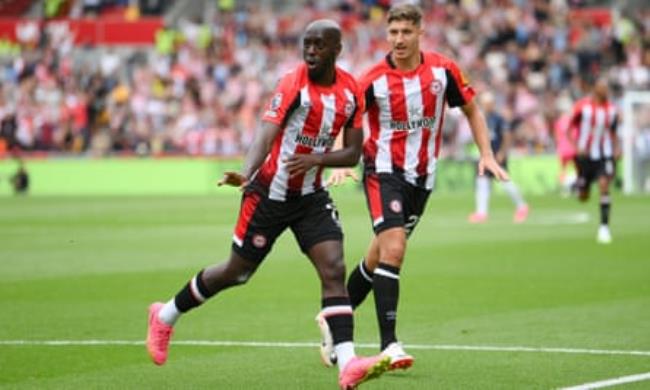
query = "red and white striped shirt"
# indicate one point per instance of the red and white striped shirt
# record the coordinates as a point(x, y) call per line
point(595, 127)
point(405, 115)
point(311, 116)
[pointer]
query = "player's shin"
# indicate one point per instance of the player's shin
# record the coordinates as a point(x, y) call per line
point(386, 291)
point(338, 314)
point(193, 294)
point(359, 284)
point(605, 207)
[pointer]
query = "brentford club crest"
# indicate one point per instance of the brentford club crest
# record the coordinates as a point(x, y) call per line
point(276, 101)
point(436, 86)
point(259, 241)
point(396, 206)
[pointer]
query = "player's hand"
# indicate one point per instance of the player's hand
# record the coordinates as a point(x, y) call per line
point(301, 163)
point(489, 163)
point(233, 179)
point(338, 176)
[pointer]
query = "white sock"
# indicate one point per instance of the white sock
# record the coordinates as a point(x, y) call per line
point(169, 313)
point(482, 194)
point(344, 353)
point(511, 188)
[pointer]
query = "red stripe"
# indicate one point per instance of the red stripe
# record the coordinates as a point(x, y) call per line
point(370, 147)
point(374, 196)
point(590, 139)
point(270, 166)
point(436, 152)
point(429, 109)
point(311, 129)
point(398, 113)
point(248, 207)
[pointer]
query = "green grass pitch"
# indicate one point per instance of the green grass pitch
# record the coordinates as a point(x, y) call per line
point(87, 268)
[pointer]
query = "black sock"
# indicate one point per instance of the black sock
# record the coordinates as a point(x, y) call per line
point(338, 314)
point(359, 284)
point(193, 294)
point(386, 288)
point(605, 206)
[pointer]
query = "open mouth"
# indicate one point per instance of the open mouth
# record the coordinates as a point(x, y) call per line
point(312, 63)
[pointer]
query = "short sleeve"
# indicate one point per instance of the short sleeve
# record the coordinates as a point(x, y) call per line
point(357, 118)
point(282, 99)
point(459, 92)
point(576, 115)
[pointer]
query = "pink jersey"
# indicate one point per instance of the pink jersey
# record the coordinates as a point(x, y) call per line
point(563, 146)
point(311, 116)
point(596, 127)
point(405, 115)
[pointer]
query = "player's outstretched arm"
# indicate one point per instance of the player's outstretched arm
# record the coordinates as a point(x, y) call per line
point(347, 156)
point(480, 134)
point(338, 175)
point(254, 157)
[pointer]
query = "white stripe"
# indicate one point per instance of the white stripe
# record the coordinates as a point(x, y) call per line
point(377, 221)
point(610, 382)
point(195, 290)
point(608, 148)
point(292, 344)
point(441, 75)
point(383, 272)
point(599, 126)
point(326, 126)
point(383, 160)
point(336, 309)
point(364, 274)
point(237, 240)
point(414, 111)
point(585, 126)
point(278, 188)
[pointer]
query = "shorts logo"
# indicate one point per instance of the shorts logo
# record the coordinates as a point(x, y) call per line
point(396, 206)
point(276, 101)
point(436, 87)
point(259, 241)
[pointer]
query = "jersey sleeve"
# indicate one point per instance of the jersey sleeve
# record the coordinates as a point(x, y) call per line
point(459, 92)
point(576, 116)
point(282, 100)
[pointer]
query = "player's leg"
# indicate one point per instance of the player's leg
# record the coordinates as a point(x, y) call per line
point(253, 239)
point(604, 180)
point(377, 191)
point(360, 279)
point(318, 232)
point(481, 198)
point(583, 183)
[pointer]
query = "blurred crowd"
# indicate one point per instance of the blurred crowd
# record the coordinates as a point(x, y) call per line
point(200, 89)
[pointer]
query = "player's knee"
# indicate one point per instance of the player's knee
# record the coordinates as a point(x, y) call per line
point(583, 196)
point(393, 252)
point(334, 272)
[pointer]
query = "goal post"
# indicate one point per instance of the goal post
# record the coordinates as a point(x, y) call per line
point(636, 142)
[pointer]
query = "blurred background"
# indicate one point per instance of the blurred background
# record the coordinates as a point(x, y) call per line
point(87, 79)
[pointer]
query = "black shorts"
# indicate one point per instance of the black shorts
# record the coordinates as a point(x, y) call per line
point(393, 202)
point(312, 218)
point(590, 170)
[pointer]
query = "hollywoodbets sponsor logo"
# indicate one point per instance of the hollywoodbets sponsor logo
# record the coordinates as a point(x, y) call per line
point(315, 142)
point(424, 122)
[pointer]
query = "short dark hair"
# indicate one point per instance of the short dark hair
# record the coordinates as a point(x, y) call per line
point(405, 11)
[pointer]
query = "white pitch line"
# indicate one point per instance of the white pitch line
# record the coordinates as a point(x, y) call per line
point(610, 382)
point(266, 344)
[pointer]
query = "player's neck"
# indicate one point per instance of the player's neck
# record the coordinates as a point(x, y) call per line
point(327, 79)
point(406, 64)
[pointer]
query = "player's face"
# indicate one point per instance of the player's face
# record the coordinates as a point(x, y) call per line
point(319, 50)
point(404, 39)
